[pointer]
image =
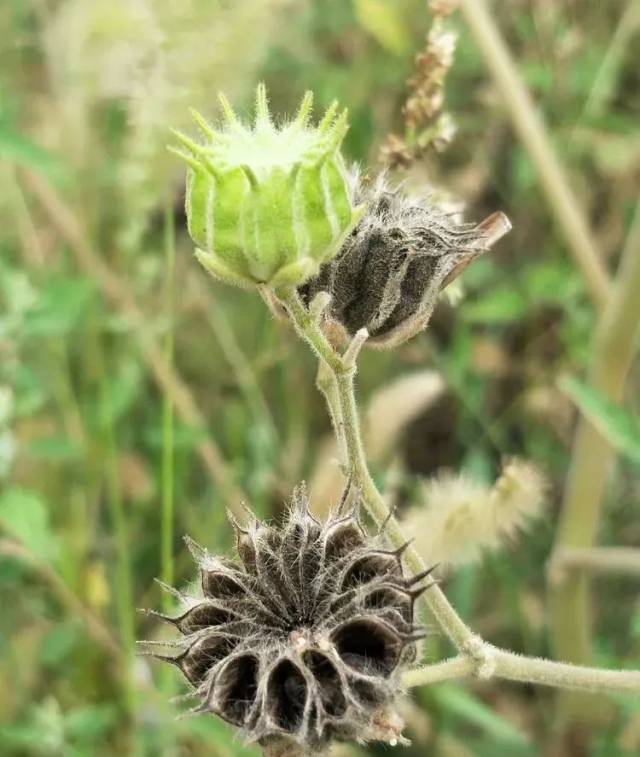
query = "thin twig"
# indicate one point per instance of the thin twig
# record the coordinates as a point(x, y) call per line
point(485, 660)
point(531, 129)
point(118, 293)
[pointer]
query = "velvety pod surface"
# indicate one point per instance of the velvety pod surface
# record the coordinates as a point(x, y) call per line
point(304, 636)
point(390, 270)
point(267, 204)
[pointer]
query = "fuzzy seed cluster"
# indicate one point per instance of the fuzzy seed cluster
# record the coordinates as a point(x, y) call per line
point(304, 637)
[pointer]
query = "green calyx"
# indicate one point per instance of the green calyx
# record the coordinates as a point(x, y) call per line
point(267, 204)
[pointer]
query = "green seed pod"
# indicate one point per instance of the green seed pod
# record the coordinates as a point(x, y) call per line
point(268, 205)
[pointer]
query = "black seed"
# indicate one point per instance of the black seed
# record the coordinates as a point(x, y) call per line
point(371, 566)
point(235, 688)
point(202, 616)
point(287, 695)
point(368, 692)
point(368, 646)
point(198, 660)
point(219, 585)
point(343, 539)
point(329, 683)
point(246, 551)
point(389, 598)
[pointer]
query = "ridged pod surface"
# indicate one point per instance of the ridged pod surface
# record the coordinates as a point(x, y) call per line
point(267, 204)
point(391, 269)
point(303, 638)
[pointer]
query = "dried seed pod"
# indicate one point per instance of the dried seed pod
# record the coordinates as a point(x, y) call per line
point(389, 272)
point(304, 638)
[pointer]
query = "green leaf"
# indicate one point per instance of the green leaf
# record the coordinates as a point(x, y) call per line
point(121, 391)
point(24, 516)
point(88, 724)
point(470, 708)
point(59, 307)
point(18, 148)
point(384, 21)
point(56, 448)
point(617, 424)
point(501, 305)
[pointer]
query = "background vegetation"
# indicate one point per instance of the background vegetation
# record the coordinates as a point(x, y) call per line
point(137, 398)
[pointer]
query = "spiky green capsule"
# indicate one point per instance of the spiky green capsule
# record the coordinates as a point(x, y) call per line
point(268, 205)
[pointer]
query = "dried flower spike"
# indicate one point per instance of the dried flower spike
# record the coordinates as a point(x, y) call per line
point(304, 640)
point(267, 205)
point(460, 520)
point(391, 269)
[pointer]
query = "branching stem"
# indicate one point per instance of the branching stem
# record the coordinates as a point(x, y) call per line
point(476, 656)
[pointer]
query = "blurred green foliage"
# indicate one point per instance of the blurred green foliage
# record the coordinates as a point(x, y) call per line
point(88, 89)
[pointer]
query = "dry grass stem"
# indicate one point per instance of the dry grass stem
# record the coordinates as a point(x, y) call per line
point(615, 561)
point(116, 291)
point(531, 129)
point(614, 347)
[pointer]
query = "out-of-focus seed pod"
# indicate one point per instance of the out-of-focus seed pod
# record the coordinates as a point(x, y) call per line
point(266, 204)
point(391, 269)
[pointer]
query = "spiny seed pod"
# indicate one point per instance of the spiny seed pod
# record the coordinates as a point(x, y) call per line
point(389, 272)
point(268, 205)
point(304, 640)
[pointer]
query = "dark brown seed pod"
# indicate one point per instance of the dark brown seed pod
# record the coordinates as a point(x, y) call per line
point(303, 639)
point(389, 272)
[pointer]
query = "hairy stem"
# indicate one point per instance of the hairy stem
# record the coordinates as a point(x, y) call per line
point(325, 381)
point(434, 599)
point(455, 667)
point(515, 667)
point(481, 658)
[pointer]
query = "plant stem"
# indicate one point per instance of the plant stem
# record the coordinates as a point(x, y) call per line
point(167, 514)
point(614, 346)
point(325, 381)
point(117, 292)
point(455, 667)
point(619, 561)
point(531, 129)
point(434, 599)
point(485, 660)
point(605, 79)
point(514, 667)
point(99, 633)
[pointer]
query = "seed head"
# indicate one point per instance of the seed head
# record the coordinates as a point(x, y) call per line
point(304, 638)
point(459, 519)
point(267, 205)
point(389, 272)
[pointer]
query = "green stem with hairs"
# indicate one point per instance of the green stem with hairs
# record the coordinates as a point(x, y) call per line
point(481, 658)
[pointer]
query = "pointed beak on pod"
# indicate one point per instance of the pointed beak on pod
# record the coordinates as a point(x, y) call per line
point(267, 205)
